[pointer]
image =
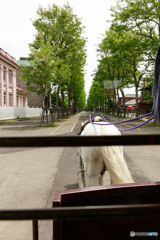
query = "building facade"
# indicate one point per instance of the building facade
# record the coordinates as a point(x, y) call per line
point(130, 99)
point(10, 94)
point(34, 100)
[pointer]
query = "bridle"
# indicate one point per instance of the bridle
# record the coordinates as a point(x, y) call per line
point(129, 120)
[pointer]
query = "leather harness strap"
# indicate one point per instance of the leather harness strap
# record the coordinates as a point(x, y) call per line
point(86, 123)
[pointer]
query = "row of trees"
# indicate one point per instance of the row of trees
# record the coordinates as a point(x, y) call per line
point(57, 57)
point(127, 51)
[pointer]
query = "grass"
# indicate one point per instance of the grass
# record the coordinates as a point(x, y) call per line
point(60, 120)
point(48, 125)
point(152, 125)
point(27, 118)
point(17, 119)
point(121, 117)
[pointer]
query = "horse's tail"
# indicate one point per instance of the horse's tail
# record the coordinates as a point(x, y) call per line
point(116, 164)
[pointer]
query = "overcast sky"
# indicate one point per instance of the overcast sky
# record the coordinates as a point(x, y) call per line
point(16, 30)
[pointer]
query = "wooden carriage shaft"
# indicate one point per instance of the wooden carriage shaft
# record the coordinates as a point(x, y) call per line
point(75, 141)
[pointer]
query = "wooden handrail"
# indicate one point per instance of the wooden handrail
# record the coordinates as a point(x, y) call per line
point(73, 141)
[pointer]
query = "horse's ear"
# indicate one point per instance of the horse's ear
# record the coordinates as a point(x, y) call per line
point(91, 114)
point(82, 123)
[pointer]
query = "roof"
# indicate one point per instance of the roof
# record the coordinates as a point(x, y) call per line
point(131, 102)
point(130, 95)
point(23, 61)
point(6, 57)
point(20, 89)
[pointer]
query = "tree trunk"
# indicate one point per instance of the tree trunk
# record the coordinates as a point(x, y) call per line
point(43, 107)
point(108, 105)
point(57, 102)
point(46, 106)
point(124, 108)
point(101, 106)
point(49, 104)
point(105, 101)
point(114, 100)
point(43, 100)
point(62, 95)
point(136, 101)
point(47, 110)
point(117, 103)
point(118, 94)
point(75, 105)
point(69, 99)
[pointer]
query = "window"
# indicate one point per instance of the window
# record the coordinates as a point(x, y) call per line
point(10, 100)
point(20, 104)
point(23, 101)
point(4, 99)
point(10, 77)
point(4, 74)
point(17, 102)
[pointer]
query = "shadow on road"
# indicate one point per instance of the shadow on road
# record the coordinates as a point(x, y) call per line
point(71, 186)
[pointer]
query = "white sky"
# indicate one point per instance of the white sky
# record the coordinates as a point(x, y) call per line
point(16, 30)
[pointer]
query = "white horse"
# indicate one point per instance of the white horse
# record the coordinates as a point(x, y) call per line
point(94, 158)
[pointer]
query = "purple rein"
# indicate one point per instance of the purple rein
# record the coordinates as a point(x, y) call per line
point(108, 123)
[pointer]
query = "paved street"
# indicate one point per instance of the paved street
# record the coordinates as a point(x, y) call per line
point(28, 177)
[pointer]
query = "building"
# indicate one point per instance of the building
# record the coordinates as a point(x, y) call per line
point(13, 98)
point(34, 100)
point(130, 100)
point(10, 94)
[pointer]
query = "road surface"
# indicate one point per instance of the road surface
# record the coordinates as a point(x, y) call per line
point(29, 176)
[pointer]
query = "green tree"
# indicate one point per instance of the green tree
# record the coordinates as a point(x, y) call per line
point(64, 30)
point(39, 75)
point(113, 65)
point(141, 17)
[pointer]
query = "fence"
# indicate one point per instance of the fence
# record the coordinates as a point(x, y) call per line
point(78, 212)
point(55, 113)
point(14, 112)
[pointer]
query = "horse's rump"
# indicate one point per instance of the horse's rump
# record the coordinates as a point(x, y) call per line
point(94, 158)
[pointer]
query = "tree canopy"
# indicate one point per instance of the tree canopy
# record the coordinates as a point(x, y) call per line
point(58, 55)
point(128, 48)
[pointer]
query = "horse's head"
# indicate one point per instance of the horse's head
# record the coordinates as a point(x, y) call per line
point(97, 119)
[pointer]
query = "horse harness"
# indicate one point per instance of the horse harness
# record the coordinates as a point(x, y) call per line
point(86, 123)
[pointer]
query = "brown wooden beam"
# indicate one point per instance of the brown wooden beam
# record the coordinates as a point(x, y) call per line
point(74, 141)
point(87, 212)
